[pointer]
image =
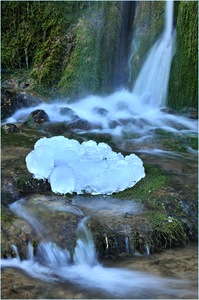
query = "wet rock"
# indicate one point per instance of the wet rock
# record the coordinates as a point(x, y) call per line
point(100, 111)
point(83, 125)
point(118, 237)
point(168, 110)
point(10, 128)
point(9, 191)
point(56, 219)
point(12, 100)
point(55, 128)
point(36, 118)
point(68, 112)
point(189, 112)
point(14, 231)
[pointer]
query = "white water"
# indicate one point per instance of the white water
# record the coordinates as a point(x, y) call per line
point(137, 112)
point(124, 112)
point(151, 84)
point(54, 264)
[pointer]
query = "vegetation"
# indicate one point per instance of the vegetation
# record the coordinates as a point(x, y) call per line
point(183, 86)
point(69, 45)
point(90, 65)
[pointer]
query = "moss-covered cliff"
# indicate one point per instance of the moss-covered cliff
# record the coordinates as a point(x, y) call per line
point(68, 45)
point(90, 65)
point(183, 85)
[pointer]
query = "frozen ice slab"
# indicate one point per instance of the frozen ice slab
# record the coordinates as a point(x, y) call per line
point(83, 168)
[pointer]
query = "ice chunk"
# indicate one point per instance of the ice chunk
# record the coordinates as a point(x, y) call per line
point(83, 168)
point(62, 180)
point(40, 161)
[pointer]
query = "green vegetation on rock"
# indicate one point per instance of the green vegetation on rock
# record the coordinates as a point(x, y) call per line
point(183, 85)
point(69, 46)
point(167, 231)
point(90, 65)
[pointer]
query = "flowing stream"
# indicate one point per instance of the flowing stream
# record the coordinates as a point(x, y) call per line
point(81, 267)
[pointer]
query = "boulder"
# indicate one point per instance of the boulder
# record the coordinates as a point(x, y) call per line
point(36, 118)
point(10, 128)
point(11, 101)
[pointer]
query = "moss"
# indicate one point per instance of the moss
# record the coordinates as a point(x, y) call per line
point(170, 224)
point(90, 65)
point(167, 231)
point(69, 44)
point(183, 84)
point(20, 139)
point(34, 36)
point(6, 215)
point(175, 141)
point(147, 189)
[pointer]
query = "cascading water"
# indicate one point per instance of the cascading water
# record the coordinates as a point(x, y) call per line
point(138, 113)
point(52, 263)
point(151, 84)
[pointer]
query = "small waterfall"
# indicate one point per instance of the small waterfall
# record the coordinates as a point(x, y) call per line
point(152, 82)
point(52, 263)
point(85, 252)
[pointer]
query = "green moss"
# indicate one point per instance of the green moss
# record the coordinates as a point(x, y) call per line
point(24, 138)
point(183, 84)
point(147, 189)
point(90, 65)
point(167, 231)
point(33, 36)
point(6, 215)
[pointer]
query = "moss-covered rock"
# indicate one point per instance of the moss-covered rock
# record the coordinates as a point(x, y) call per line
point(183, 84)
point(12, 100)
point(70, 45)
point(15, 232)
point(36, 118)
point(90, 66)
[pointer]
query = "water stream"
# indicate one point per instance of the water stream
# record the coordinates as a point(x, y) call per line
point(81, 267)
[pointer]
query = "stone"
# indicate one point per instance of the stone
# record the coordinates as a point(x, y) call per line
point(36, 118)
point(10, 128)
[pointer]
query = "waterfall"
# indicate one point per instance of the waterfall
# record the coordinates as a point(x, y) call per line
point(152, 82)
point(85, 252)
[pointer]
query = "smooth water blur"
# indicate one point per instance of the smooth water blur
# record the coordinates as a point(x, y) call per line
point(168, 275)
point(81, 267)
point(151, 84)
point(117, 114)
